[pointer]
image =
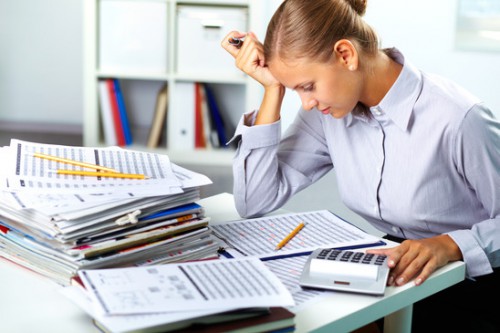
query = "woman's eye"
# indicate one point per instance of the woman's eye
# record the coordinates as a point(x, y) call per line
point(308, 88)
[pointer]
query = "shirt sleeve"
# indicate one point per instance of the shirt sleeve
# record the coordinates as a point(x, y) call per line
point(478, 160)
point(268, 169)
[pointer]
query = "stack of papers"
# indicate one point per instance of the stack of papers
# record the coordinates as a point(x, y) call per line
point(57, 224)
point(174, 296)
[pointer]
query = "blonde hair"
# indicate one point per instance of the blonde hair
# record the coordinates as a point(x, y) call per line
point(310, 29)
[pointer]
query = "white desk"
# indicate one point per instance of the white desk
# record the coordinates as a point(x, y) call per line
point(31, 303)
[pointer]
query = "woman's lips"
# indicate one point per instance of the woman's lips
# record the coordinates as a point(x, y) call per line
point(325, 110)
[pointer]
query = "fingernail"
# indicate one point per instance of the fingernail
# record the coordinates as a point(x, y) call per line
point(391, 280)
point(400, 281)
point(391, 263)
point(418, 281)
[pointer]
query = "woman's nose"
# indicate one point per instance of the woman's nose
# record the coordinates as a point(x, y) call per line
point(308, 103)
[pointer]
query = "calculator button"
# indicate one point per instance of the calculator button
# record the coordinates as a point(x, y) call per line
point(346, 256)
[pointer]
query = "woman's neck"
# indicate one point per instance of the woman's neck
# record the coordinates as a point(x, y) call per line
point(380, 74)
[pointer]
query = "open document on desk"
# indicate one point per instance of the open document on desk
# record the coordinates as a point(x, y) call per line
point(259, 236)
point(181, 295)
point(186, 286)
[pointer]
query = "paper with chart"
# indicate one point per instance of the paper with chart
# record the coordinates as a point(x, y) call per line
point(259, 236)
point(58, 203)
point(133, 322)
point(288, 270)
point(24, 171)
point(186, 287)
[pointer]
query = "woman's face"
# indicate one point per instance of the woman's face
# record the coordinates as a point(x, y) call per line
point(330, 87)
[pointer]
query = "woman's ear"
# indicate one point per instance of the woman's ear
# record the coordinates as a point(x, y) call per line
point(346, 54)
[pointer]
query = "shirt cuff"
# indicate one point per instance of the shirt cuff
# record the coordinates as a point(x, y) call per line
point(476, 261)
point(259, 135)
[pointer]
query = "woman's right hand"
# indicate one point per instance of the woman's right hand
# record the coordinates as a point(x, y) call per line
point(249, 57)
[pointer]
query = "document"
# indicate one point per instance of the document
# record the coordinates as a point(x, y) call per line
point(186, 287)
point(288, 270)
point(147, 322)
point(259, 236)
point(24, 171)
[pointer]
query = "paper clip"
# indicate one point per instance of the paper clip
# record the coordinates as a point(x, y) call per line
point(130, 218)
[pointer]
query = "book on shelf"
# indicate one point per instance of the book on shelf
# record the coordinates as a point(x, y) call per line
point(107, 121)
point(199, 120)
point(122, 112)
point(210, 129)
point(115, 111)
point(159, 118)
point(217, 120)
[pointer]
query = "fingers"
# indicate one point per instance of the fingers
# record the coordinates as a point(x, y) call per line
point(228, 42)
point(415, 259)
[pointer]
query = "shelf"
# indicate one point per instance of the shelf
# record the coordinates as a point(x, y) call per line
point(235, 92)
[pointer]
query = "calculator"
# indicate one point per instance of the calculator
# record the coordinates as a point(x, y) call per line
point(345, 270)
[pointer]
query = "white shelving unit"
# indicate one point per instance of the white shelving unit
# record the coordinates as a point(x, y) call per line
point(140, 87)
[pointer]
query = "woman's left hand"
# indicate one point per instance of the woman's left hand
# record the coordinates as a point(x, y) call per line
point(418, 258)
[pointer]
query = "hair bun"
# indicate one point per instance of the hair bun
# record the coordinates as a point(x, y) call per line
point(359, 6)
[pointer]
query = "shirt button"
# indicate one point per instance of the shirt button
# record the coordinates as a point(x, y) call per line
point(395, 229)
point(377, 111)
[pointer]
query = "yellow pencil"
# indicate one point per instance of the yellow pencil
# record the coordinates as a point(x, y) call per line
point(290, 236)
point(72, 162)
point(100, 174)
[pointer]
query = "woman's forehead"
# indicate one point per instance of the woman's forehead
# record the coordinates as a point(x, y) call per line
point(294, 73)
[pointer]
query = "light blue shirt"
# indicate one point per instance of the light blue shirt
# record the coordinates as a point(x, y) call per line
point(424, 162)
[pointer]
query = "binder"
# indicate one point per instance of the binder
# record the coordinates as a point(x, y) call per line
point(216, 116)
point(159, 118)
point(120, 135)
point(181, 119)
point(199, 121)
point(106, 114)
point(123, 112)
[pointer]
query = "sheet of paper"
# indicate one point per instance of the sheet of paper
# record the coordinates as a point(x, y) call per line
point(27, 172)
point(54, 203)
point(259, 236)
point(132, 322)
point(288, 270)
point(186, 287)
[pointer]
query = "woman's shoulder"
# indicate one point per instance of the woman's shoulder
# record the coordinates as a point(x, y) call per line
point(447, 94)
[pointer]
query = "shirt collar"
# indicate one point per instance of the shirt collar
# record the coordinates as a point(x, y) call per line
point(398, 103)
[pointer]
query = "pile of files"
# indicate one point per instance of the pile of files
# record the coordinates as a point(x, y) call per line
point(57, 224)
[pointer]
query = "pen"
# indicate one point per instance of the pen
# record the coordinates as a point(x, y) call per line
point(68, 161)
point(235, 41)
point(100, 174)
point(290, 236)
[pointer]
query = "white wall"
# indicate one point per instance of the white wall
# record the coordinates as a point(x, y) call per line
point(425, 32)
point(41, 61)
point(41, 54)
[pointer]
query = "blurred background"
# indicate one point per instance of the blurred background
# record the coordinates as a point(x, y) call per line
point(41, 69)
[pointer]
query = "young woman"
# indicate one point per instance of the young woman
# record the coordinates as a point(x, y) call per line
point(414, 154)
